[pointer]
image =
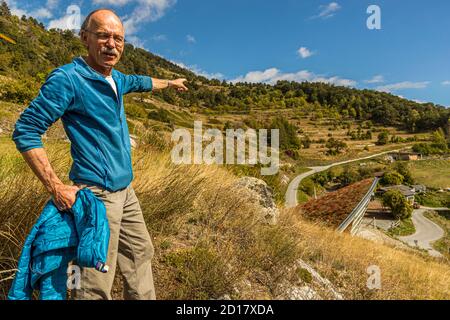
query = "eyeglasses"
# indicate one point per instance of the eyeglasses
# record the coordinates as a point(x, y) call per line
point(104, 37)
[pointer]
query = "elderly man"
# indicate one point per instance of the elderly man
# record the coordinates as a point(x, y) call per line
point(87, 95)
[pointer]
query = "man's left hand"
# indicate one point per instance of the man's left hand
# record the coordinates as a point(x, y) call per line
point(178, 84)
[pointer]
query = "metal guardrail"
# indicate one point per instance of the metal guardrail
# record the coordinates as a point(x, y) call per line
point(355, 217)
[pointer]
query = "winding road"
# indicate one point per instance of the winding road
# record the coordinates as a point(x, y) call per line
point(291, 193)
point(426, 232)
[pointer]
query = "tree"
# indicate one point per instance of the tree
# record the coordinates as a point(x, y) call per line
point(403, 169)
point(392, 178)
point(288, 133)
point(4, 10)
point(383, 138)
point(439, 141)
point(348, 176)
point(400, 207)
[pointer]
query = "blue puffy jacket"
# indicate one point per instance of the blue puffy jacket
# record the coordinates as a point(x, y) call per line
point(94, 120)
point(56, 239)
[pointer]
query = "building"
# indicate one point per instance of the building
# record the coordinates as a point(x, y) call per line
point(408, 192)
point(405, 156)
point(419, 188)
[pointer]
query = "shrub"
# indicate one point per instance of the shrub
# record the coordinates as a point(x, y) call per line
point(383, 138)
point(199, 273)
point(335, 146)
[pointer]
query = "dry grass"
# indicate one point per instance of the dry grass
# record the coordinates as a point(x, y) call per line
point(210, 239)
point(344, 260)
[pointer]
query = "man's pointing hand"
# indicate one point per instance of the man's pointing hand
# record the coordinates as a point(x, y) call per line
point(178, 84)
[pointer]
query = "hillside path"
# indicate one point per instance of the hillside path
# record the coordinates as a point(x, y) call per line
point(426, 232)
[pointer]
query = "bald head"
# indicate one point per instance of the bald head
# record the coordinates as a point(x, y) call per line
point(99, 16)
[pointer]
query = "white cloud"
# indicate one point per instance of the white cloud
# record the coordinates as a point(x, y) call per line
point(135, 41)
point(403, 85)
point(375, 79)
point(327, 11)
point(144, 11)
point(259, 76)
point(52, 4)
point(41, 13)
point(273, 75)
point(304, 52)
point(159, 37)
point(199, 71)
point(12, 4)
point(446, 83)
point(190, 39)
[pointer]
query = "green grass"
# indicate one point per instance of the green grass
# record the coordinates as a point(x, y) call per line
point(406, 228)
point(434, 199)
point(302, 197)
point(442, 218)
point(432, 173)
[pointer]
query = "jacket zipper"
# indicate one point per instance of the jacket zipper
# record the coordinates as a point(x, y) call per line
point(119, 108)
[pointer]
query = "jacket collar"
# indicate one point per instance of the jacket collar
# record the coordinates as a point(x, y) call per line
point(86, 71)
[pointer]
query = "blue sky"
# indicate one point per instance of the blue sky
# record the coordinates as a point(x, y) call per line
point(262, 40)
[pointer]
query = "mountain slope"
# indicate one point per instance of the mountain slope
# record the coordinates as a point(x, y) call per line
point(37, 51)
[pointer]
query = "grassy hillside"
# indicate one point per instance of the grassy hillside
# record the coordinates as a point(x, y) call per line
point(208, 246)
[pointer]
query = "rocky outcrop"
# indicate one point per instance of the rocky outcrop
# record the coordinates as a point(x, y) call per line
point(309, 290)
point(261, 194)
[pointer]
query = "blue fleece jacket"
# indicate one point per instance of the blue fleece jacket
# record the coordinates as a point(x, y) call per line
point(94, 120)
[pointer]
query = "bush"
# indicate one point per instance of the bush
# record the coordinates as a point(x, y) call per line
point(383, 138)
point(400, 207)
point(199, 273)
point(335, 146)
point(323, 178)
point(426, 149)
point(18, 91)
point(161, 115)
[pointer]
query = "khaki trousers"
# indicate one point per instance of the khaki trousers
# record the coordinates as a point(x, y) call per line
point(130, 246)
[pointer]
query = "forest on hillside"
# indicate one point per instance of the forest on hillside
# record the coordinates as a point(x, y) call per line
point(25, 65)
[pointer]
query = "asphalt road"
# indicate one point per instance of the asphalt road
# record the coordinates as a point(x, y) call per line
point(426, 232)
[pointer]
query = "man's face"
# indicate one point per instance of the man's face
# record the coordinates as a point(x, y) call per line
point(104, 39)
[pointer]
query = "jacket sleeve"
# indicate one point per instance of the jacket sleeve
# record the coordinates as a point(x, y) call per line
point(136, 83)
point(54, 98)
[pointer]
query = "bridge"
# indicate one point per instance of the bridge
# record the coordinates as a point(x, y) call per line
point(354, 219)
